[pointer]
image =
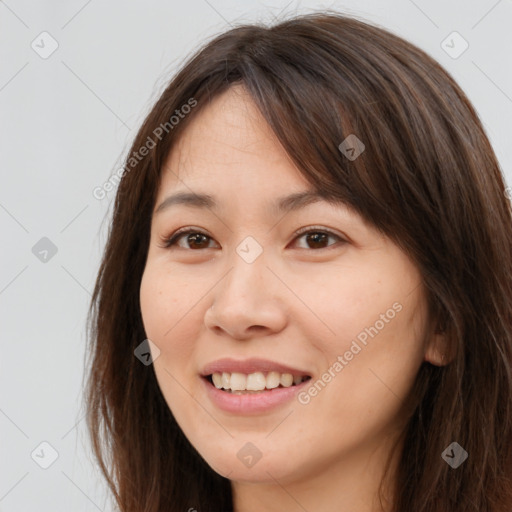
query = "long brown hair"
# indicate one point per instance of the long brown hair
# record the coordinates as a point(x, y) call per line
point(428, 178)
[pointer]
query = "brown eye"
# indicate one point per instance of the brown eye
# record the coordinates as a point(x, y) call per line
point(315, 239)
point(194, 240)
point(197, 241)
point(318, 239)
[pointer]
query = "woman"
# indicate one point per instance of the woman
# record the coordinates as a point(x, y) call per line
point(369, 373)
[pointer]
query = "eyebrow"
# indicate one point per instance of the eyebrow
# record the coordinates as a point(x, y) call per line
point(283, 204)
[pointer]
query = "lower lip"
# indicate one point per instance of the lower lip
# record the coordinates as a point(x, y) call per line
point(251, 402)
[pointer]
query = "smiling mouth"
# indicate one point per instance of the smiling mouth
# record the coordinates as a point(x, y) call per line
point(257, 382)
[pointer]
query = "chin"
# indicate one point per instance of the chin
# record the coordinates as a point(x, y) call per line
point(266, 469)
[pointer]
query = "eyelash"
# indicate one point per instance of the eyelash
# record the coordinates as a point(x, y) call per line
point(170, 241)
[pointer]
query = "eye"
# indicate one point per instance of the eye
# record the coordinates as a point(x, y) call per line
point(315, 237)
point(195, 238)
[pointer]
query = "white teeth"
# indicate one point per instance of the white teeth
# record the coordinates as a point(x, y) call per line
point(273, 380)
point(254, 382)
point(286, 380)
point(238, 382)
point(217, 380)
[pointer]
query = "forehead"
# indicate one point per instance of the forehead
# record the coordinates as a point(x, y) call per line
point(229, 145)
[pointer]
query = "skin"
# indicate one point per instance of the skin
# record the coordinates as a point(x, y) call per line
point(299, 302)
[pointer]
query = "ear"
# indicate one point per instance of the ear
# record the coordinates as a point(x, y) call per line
point(437, 350)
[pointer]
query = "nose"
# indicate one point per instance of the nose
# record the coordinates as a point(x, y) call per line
point(248, 302)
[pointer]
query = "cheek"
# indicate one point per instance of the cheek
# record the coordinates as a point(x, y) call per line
point(164, 308)
point(162, 303)
point(378, 357)
point(350, 304)
point(377, 293)
point(376, 323)
point(171, 313)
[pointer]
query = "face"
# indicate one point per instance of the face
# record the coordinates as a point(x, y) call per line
point(336, 303)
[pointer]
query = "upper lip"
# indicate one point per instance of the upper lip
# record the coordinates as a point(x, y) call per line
point(247, 366)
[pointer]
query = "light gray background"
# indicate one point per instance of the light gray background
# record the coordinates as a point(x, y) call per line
point(67, 120)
